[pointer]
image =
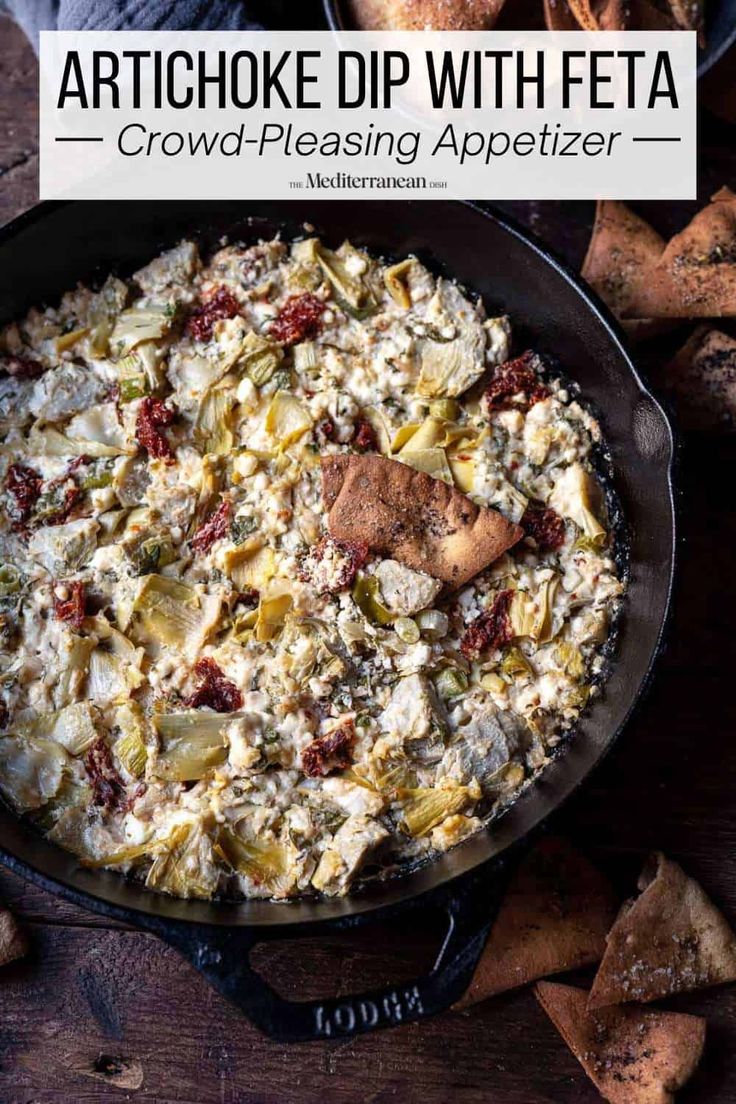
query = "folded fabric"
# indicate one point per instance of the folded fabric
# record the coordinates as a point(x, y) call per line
point(129, 15)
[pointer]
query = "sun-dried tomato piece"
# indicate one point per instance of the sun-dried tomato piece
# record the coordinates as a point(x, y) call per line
point(333, 751)
point(22, 367)
point(325, 431)
point(214, 528)
point(517, 377)
point(491, 630)
point(153, 416)
point(23, 486)
point(300, 319)
point(545, 526)
point(71, 609)
point(214, 691)
point(59, 497)
point(219, 304)
point(248, 599)
point(108, 788)
point(364, 437)
point(331, 565)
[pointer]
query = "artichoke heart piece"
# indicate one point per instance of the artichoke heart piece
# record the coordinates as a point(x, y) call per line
point(532, 615)
point(405, 592)
point(381, 427)
point(346, 270)
point(272, 612)
point(47, 441)
point(74, 727)
point(185, 866)
point(431, 433)
point(249, 565)
point(139, 324)
point(433, 461)
point(74, 671)
point(574, 496)
point(130, 746)
point(259, 358)
point(395, 279)
point(448, 368)
point(270, 864)
point(106, 306)
point(69, 339)
point(287, 420)
point(171, 613)
point(571, 659)
point(213, 427)
point(192, 744)
point(424, 809)
point(31, 770)
point(462, 469)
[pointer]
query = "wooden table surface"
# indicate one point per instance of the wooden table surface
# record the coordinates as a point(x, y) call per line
point(99, 1012)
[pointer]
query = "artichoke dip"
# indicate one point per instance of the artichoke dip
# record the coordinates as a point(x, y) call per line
point(303, 576)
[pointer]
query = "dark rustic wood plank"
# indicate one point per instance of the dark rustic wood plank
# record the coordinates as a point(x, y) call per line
point(18, 122)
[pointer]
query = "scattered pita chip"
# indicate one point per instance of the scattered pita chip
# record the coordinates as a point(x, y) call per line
point(632, 1055)
point(13, 943)
point(646, 16)
point(406, 514)
point(554, 917)
point(422, 15)
point(702, 380)
point(687, 14)
point(622, 252)
point(600, 15)
point(691, 276)
point(696, 275)
point(670, 939)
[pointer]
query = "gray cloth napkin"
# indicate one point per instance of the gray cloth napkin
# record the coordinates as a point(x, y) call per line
point(128, 15)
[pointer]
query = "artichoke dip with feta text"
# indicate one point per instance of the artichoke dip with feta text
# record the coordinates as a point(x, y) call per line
point(302, 577)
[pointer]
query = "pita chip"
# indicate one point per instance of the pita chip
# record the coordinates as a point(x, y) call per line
point(13, 943)
point(422, 15)
point(600, 15)
point(687, 14)
point(632, 1055)
point(554, 917)
point(702, 380)
point(623, 251)
point(695, 276)
point(412, 517)
point(646, 16)
point(669, 939)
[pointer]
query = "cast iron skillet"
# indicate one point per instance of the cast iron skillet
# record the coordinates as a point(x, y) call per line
point(720, 28)
point(49, 249)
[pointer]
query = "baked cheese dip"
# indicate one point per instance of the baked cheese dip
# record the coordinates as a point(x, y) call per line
point(303, 578)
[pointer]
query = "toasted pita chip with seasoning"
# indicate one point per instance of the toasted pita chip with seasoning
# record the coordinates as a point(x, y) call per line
point(412, 517)
point(554, 917)
point(422, 15)
point(687, 14)
point(13, 943)
point(623, 251)
point(632, 1055)
point(600, 15)
point(646, 16)
point(695, 277)
point(701, 379)
point(670, 939)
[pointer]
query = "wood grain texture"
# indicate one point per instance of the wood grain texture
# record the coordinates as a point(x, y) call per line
point(100, 1013)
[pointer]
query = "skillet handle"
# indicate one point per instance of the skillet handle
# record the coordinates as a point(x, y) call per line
point(222, 955)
